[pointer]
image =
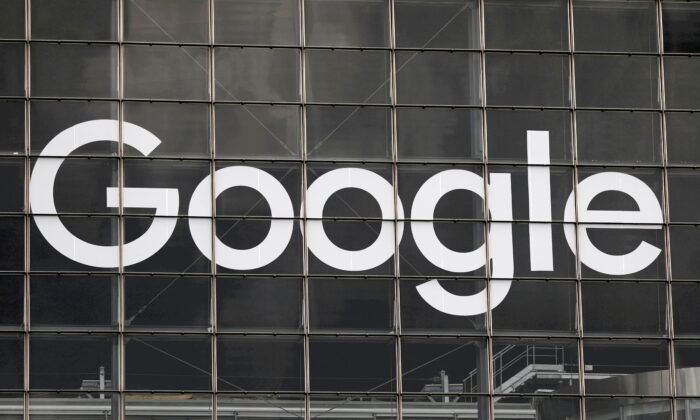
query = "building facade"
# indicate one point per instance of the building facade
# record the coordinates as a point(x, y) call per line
point(356, 209)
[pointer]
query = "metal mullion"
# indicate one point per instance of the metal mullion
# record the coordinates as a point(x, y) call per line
point(398, 366)
point(574, 157)
point(213, 330)
point(666, 214)
point(304, 186)
point(26, 219)
point(121, 343)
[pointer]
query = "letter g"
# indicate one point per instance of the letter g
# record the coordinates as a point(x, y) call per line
point(164, 200)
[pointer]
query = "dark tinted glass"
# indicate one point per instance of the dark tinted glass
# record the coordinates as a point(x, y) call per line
point(681, 31)
point(59, 302)
point(12, 70)
point(168, 362)
point(12, 127)
point(260, 363)
point(166, 20)
point(527, 79)
point(11, 301)
point(509, 24)
point(439, 134)
point(72, 361)
point(74, 70)
point(686, 312)
point(74, 19)
point(12, 171)
point(617, 81)
point(272, 22)
point(347, 23)
point(433, 24)
point(603, 25)
point(682, 85)
point(618, 137)
point(12, 19)
point(683, 137)
point(12, 362)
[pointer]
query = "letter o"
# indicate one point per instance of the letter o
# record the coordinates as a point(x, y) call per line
point(318, 242)
point(280, 207)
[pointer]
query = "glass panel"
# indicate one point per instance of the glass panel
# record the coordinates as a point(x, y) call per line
point(507, 134)
point(685, 240)
point(682, 86)
point(628, 26)
point(527, 79)
point(686, 312)
point(74, 192)
point(245, 234)
point(166, 72)
point(683, 201)
point(12, 247)
point(168, 406)
point(418, 316)
point(624, 308)
point(536, 307)
point(12, 188)
point(43, 256)
point(179, 254)
point(368, 364)
point(74, 19)
point(461, 237)
point(165, 174)
point(73, 406)
point(427, 407)
point(12, 69)
point(353, 236)
point(377, 406)
point(75, 362)
point(517, 362)
point(628, 408)
point(618, 137)
point(626, 367)
point(687, 408)
point(12, 361)
point(256, 406)
point(73, 301)
point(561, 183)
point(258, 131)
point(681, 32)
point(257, 74)
point(687, 359)
point(164, 302)
point(183, 128)
point(563, 257)
point(11, 301)
point(348, 132)
point(439, 134)
point(49, 118)
point(168, 362)
point(541, 407)
point(259, 304)
point(348, 76)
point(348, 304)
point(617, 81)
point(249, 201)
point(458, 204)
point(75, 70)
point(438, 77)
point(683, 137)
point(12, 19)
point(11, 126)
point(166, 20)
point(509, 24)
point(257, 22)
point(347, 23)
point(444, 365)
point(437, 24)
point(260, 363)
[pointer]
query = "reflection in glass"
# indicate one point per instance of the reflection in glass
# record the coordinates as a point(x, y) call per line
point(433, 24)
point(167, 406)
point(509, 24)
point(74, 19)
point(682, 86)
point(611, 81)
point(270, 22)
point(348, 76)
point(166, 20)
point(615, 25)
point(347, 23)
point(527, 79)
